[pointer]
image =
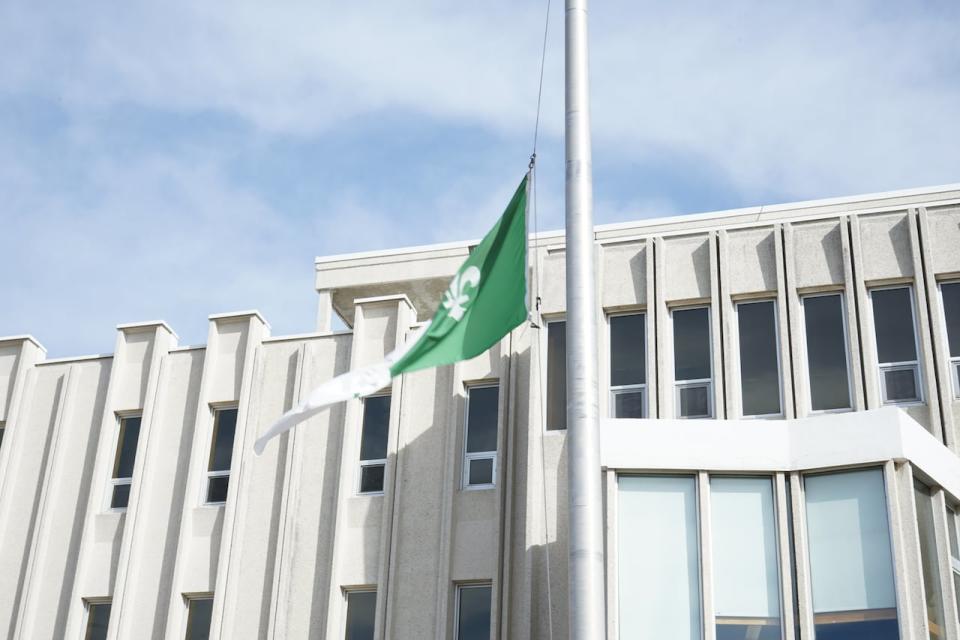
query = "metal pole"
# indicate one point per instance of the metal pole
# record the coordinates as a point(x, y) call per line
point(586, 587)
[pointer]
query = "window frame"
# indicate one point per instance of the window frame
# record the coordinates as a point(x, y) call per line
point(460, 586)
point(112, 482)
point(846, 350)
point(776, 332)
point(187, 599)
point(952, 361)
point(545, 372)
point(381, 462)
point(622, 389)
point(883, 367)
point(678, 385)
point(346, 591)
point(207, 473)
point(87, 603)
point(468, 457)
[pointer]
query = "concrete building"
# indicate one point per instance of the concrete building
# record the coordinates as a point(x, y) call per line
point(816, 496)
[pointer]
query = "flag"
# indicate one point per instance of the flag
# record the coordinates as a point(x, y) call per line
point(486, 299)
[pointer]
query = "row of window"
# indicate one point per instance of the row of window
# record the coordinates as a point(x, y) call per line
point(199, 614)
point(825, 341)
point(473, 606)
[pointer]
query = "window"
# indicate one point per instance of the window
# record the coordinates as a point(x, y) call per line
point(628, 366)
point(759, 358)
point(473, 612)
point(361, 614)
point(693, 369)
point(98, 619)
point(896, 345)
point(556, 375)
point(950, 295)
point(373, 443)
point(2, 428)
point(826, 341)
point(122, 475)
point(221, 454)
point(199, 614)
point(929, 560)
point(480, 452)
point(850, 560)
point(746, 575)
point(954, 552)
point(659, 558)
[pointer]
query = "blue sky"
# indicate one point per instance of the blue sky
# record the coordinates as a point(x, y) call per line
point(172, 160)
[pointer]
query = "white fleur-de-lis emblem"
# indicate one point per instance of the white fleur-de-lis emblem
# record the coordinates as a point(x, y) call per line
point(455, 298)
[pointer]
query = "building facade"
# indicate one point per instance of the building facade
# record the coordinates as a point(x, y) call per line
point(780, 456)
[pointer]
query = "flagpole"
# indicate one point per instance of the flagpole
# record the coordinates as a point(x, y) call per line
point(586, 557)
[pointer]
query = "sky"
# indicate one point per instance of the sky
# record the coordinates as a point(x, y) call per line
point(178, 159)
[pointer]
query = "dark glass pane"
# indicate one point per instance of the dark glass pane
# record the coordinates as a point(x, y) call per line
point(691, 343)
point(98, 616)
point(748, 631)
point(557, 375)
point(893, 320)
point(481, 471)
point(694, 402)
point(217, 489)
point(371, 478)
point(759, 374)
point(929, 560)
point(121, 496)
point(482, 419)
point(2, 429)
point(376, 428)
point(826, 352)
point(628, 404)
point(361, 614)
point(127, 447)
point(628, 360)
point(198, 619)
point(474, 614)
point(901, 385)
point(951, 312)
point(224, 429)
point(859, 630)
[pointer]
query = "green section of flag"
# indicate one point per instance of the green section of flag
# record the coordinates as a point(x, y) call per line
point(485, 300)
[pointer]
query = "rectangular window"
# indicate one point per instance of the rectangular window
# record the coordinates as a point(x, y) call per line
point(98, 618)
point(745, 569)
point(895, 328)
point(954, 552)
point(659, 558)
point(759, 358)
point(221, 454)
point(473, 612)
point(3, 426)
point(361, 614)
point(628, 366)
point(373, 443)
point(199, 615)
point(929, 560)
point(480, 452)
point(826, 341)
point(122, 475)
point(950, 296)
point(850, 559)
point(692, 362)
point(556, 375)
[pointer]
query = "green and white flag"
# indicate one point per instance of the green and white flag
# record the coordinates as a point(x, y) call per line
point(486, 299)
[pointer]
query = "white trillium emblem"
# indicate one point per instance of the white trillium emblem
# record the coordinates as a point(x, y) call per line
point(455, 299)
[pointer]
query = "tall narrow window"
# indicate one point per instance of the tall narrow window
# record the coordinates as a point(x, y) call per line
point(826, 339)
point(929, 560)
point(98, 617)
point(221, 454)
point(199, 615)
point(373, 443)
point(659, 559)
point(122, 476)
point(628, 366)
point(361, 614)
point(950, 294)
point(480, 453)
point(692, 362)
point(556, 375)
point(473, 612)
point(850, 560)
point(746, 576)
point(3, 426)
point(954, 552)
point(759, 358)
point(895, 329)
